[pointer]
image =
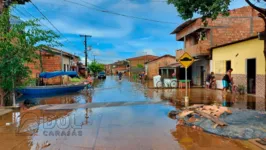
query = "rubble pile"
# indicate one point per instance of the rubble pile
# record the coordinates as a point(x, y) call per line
point(219, 120)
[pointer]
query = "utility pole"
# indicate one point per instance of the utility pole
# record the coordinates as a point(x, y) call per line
point(86, 54)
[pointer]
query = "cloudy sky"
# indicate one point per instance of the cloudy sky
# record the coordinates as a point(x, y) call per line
point(114, 37)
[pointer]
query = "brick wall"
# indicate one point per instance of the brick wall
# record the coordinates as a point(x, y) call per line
point(241, 79)
point(241, 23)
point(153, 67)
point(52, 63)
point(200, 49)
point(134, 63)
point(260, 85)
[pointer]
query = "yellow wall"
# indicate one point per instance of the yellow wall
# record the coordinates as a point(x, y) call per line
point(247, 49)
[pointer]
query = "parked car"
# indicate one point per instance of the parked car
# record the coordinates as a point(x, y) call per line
point(101, 75)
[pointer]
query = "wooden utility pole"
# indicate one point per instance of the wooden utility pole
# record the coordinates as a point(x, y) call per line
point(86, 54)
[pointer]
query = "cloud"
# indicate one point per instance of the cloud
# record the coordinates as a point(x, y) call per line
point(82, 59)
point(145, 52)
point(96, 52)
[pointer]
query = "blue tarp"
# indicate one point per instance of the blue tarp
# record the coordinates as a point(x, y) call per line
point(58, 73)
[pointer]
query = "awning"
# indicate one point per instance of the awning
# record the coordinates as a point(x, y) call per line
point(58, 73)
point(175, 65)
point(171, 66)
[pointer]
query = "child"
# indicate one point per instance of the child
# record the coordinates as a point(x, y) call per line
point(89, 81)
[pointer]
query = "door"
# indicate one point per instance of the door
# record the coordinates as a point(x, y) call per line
point(202, 75)
point(228, 65)
point(251, 76)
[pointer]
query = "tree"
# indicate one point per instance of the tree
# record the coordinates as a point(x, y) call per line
point(20, 44)
point(95, 67)
point(140, 66)
point(212, 9)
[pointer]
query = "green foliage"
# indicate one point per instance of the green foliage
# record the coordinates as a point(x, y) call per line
point(205, 8)
point(95, 67)
point(19, 45)
point(140, 66)
point(76, 80)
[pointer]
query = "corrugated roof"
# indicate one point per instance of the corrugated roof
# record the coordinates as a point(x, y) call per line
point(57, 51)
point(160, 58)
point(183, 25)
point(150, 57)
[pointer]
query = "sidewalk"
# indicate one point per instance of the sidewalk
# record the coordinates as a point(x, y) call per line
point(4, 111)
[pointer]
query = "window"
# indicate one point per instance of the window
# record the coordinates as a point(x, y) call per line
point(64, 67)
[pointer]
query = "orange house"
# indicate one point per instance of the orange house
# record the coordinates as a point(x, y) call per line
point(153, 67)
point(136, 62)
point(51, 60)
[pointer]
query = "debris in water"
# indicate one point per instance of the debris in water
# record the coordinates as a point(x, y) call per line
point(8, 124)
point(46, 144)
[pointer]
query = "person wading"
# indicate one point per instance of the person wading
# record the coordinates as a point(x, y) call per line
point(209, 80)
point(227, 80)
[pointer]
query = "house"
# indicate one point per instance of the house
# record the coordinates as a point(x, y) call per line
point(137, 64)
point(108, 69)
point(199, 39)
point(119, 66)
point(152, 68)
point(246, 57)
point(50, 61)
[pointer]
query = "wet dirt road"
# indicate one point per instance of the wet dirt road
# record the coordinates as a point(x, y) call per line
point(134, 127)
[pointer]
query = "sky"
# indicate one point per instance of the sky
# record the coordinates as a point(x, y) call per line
point(114, 37)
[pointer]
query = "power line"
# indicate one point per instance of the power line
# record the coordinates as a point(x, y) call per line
point(46, 18)
point(20, 12)
point(52, 24)
point(35, 18)
point(97, 8)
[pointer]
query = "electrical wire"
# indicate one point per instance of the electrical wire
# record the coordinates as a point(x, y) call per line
point(97, 8)
point(35, 18)
point(46, 18)
point(52, 24)
point(20, 12)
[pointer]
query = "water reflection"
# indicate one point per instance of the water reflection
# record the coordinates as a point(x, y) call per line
point(127, 127)
point(203, 96)
point(194, 139)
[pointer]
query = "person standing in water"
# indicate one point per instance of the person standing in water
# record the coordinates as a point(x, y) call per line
point(120, 75)
point(227, 80)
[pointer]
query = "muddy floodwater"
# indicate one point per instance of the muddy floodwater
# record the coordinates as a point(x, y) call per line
point(131, 127)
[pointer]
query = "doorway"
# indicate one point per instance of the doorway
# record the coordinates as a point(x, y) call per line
point(228, 65)
point(202, 75)
point(251, 76)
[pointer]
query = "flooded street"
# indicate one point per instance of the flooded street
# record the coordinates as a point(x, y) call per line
point(132, 124)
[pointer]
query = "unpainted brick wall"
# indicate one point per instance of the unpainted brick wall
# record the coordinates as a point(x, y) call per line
point(242, 23)
point(153, 67)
